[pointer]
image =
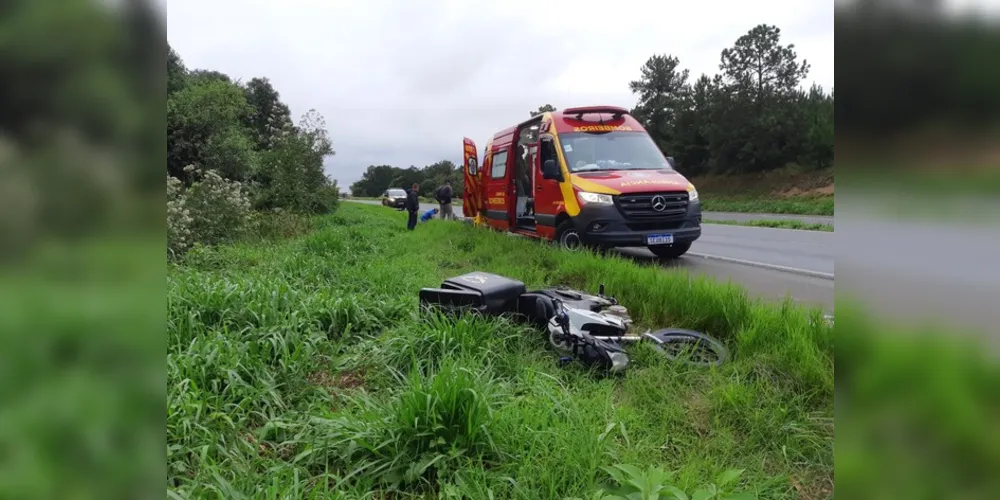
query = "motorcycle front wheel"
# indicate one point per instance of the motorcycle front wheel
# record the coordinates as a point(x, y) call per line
point(688, 346)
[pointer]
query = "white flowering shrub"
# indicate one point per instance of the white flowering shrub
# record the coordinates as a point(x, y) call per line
point(178, 219)
point(211, 210)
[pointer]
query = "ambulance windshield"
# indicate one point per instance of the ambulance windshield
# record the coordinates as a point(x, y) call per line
point(589, 152)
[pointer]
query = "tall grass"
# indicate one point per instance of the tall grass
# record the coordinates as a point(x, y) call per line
point(769, 204)
point(304, 368)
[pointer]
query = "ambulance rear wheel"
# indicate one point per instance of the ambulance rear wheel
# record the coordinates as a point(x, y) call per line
point(567, 236)
point(667, 252)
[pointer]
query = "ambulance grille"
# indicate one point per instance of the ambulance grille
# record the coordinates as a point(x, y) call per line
point(646, 206)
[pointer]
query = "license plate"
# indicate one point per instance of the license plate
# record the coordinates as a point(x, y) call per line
point(660, 239)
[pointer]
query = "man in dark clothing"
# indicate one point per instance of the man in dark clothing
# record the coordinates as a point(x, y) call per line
point(412, 206)
point(444, 195)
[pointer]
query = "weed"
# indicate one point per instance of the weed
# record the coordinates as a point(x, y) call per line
point(654, 483)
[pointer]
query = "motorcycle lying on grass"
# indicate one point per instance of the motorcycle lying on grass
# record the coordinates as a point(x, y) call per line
point(593, 329)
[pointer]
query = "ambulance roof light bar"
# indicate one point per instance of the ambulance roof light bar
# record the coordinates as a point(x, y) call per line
point(615, 111)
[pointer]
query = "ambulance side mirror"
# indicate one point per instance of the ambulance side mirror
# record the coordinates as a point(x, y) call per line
point(670, 160)
point(551, 171)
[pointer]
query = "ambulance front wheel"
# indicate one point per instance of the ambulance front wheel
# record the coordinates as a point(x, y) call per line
point(568, 237)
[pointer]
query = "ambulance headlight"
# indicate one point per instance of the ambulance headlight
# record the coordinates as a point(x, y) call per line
point(594, 198)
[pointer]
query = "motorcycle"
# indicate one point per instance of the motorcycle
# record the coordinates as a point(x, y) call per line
point(593, 329)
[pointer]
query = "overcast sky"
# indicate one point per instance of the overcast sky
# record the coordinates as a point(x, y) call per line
point(401, 82)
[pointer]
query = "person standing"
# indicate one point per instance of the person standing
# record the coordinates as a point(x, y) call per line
point(412, 206)
point(444, 196)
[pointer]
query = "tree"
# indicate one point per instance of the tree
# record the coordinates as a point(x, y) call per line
point(379, 178)
point(761, 104)
point(207, 75)
point(270, 118)
point(176, 72)
point(818, 141)
point(376, 179)
point(759, 66)
point(205, 128)
point(751, 117)
point(543, 109)
point(292, 174)
point(436, 174)
point(693, 126)
point(662, 89)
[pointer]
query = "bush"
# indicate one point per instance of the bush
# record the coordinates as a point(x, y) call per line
point(210, 211)
point(178, 218)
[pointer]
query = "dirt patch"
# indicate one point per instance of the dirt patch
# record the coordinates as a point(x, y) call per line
point(930, 149)
point(350, 380)
point(267, 448)
point(699, 411)
point(813, 489)
point(784, 182)
point(814, 192)
point(333, 382)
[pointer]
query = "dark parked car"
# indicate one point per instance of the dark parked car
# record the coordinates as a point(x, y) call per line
point(395, 198)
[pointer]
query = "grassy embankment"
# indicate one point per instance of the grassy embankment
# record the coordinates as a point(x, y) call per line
point(301, 367)
point(782, 191)
point(780, 224)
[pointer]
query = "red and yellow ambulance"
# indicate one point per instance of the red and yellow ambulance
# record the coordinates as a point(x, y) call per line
point(587, 176)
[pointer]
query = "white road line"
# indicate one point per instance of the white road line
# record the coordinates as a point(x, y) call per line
point(764, 265)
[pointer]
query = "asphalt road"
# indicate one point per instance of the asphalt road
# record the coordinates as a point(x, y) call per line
point(771, 263)
point(939, 274)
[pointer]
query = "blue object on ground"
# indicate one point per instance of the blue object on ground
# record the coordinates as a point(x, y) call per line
point(428, 215)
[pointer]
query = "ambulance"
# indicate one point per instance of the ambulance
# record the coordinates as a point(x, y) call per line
point(585, 177)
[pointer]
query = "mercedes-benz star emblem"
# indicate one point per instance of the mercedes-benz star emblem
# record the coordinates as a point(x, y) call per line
point(659, 203)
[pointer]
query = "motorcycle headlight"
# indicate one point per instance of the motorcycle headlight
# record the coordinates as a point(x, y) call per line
point(619, 361)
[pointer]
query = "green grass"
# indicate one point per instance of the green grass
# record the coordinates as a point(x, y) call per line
point(82, 343)
point(303, 368)
point(799, 205)
point(923, 408)
point(781, 224)
point(958, 180)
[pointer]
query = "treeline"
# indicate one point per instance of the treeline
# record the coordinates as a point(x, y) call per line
point(378, 178)
point(910, 69)
point(233, 153)
point(750, 117)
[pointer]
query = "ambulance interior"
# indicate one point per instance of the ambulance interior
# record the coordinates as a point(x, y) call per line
point(524, 178)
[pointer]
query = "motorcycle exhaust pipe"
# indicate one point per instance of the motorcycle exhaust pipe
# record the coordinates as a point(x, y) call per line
point(619, 338)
